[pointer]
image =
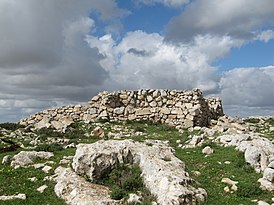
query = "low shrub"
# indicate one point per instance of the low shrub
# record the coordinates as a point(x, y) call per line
point(252, 120)
point(49, 147)
point(11, 126)
point(248, 190)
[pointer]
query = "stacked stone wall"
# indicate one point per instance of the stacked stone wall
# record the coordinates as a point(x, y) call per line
point(178, 108)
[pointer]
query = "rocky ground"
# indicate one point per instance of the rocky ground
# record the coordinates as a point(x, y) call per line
point(230, 162)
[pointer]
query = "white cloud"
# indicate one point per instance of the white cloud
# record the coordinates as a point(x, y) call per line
point(250, 87)
point(238, 18)
point(143, 60)
point(171, 3)
point(266, 35)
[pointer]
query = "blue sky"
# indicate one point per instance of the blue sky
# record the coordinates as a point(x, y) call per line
point(55, 53)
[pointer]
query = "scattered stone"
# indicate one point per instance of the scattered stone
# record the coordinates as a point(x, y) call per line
point(41, 189)
point(232, 183)
point(134, 199)
point(64, 161)
point(226, 189)
point(47, 169)
point(12, 197)
point(98, 132)
point(207, 150)
point(6, 160)
point(33, 179)
point(262, 203)
point(227, 162)
point(38, 166)
point(197, 173)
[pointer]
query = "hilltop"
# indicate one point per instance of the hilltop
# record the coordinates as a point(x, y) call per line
point(138, 147)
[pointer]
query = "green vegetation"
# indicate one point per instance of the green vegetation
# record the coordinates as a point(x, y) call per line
point(126, 179)
point(11, 126)
point(213, 169)
point(252, 120)
point(54, 147)
point(14, 181)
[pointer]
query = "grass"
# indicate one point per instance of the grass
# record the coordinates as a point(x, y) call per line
point(14, 181)
point(213, 169)
point(126, 179)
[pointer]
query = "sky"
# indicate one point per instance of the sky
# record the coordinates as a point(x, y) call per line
point(55, 53)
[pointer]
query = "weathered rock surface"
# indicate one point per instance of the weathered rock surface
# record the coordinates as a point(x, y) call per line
point(75, 190)
point(12, 197)
point(207, 150)
point(25, 158)
point(163, 174)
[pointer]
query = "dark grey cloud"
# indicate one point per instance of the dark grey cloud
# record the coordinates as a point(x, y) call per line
point(142, 53)
point(44, 55)
point(239, 19)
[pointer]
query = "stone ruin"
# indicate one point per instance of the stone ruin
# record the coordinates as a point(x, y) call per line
point(178, 108)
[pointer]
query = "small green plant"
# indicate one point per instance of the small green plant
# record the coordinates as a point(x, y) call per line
point(167, 159)
point(117, 193)
point(49, 147)
point(248, 190)
point(123, 180)
point(252, 120)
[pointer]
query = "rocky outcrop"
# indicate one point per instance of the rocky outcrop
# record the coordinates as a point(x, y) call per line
point(178, 108)
point(163, 174)
point(25, 158)
point(75, 190)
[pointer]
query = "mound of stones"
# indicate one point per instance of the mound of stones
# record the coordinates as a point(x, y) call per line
point(179, 108)
point(163, 174)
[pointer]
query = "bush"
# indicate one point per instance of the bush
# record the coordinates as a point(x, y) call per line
point(117, 193)
point(11, 126)
point(123, 180)
point(49, 147)
point(252, 120)
point(248, 190)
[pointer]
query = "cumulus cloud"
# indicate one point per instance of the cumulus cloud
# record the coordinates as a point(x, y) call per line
point(249, 87)
point(143, 60)
point(266, 35)
point(171, 3)
point(237, 18)
point(44, 55)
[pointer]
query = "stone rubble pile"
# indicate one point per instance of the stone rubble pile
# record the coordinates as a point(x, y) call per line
point(178, 108)
point(163, 174)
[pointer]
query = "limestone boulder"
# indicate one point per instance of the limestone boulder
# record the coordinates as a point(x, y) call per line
point(166, 179)
point(75, 190)
point(25, 158)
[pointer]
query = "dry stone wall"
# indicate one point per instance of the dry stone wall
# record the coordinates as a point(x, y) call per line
point(178, 108)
